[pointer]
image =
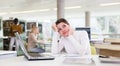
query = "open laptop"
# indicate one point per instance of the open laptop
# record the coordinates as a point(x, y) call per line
point(32, 56)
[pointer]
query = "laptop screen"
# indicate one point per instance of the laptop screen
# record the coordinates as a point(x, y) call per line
point(21, 43)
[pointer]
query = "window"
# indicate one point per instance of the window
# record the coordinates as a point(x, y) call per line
point(107, 26)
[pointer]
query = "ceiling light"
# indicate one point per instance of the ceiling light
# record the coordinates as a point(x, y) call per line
point(74, 7)
point(109, 4)
point(4, 13)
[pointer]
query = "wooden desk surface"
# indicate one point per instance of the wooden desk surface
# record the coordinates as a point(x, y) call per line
point(108, 46)
point(108, 49)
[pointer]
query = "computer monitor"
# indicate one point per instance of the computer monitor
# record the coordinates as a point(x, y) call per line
point(86, 29)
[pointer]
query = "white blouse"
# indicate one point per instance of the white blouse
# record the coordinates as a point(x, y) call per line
point(78, 43)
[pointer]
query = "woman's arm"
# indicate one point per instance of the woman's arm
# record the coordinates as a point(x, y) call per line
point(56, 46)
point(35, 39)
point(83, 44)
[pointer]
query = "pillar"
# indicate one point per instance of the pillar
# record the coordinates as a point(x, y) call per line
point(60, 9)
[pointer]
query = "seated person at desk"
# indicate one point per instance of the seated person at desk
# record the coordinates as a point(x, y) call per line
point(33, 41)
point(73, 42)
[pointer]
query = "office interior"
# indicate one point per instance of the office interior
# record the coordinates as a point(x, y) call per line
point(101, 19)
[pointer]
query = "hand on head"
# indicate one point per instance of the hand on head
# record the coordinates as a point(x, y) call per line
point(54, 27)
point(62, 27)
point(71, 31)
point(68, 33)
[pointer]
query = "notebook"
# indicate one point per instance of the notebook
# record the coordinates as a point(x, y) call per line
point(32, 56)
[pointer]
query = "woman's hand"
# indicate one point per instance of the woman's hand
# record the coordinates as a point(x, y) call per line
point(41, 41)
point(54, 27)
point(70, 32)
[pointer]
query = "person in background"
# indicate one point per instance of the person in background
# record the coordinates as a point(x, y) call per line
point(15, 27)
point(73, 42)
point(33, 41)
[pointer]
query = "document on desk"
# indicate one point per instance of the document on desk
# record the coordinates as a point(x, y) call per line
point(75, 58)
point(110, 60)
point(7, 54)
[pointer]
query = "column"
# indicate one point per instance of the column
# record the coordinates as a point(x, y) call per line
point(60, 9)
point(87, 19)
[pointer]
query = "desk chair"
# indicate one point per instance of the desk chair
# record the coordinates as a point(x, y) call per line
point(93, 50)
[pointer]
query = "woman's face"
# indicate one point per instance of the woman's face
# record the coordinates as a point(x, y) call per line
point(63, 29)
point(36, 30)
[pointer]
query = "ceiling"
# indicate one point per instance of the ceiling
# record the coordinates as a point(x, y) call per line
point(86, 5)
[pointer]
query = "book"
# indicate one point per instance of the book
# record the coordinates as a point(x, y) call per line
point(77, 59)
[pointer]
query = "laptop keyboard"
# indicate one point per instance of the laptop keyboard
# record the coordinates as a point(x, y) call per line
point(36, 55)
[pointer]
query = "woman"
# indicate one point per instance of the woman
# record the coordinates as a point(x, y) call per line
point(33, 41)
point(73, 42)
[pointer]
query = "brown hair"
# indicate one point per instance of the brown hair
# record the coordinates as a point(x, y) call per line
point(33, 29)
point(61, 20)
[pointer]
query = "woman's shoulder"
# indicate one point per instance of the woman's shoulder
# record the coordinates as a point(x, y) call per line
point(81, 32)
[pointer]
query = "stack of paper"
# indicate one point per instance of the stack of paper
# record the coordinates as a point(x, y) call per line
point(73, 58)
point(7, 54)
point(110, 59)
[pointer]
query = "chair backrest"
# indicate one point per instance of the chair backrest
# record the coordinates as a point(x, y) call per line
point(93, 50)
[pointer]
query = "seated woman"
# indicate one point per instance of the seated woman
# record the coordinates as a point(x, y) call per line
point(73, 42)
point(33, 41)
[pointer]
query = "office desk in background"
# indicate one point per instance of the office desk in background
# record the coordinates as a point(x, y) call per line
point(108, 49)
point(21, 61)
point(46, 46)
point(7, 54)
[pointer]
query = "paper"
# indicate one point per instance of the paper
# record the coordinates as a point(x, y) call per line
point(75, 58)
point(110, 60)
point(7, 52)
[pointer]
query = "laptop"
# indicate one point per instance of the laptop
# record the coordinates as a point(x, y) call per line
point(32, 56)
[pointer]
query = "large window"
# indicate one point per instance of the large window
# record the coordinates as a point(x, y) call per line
point(107, 26)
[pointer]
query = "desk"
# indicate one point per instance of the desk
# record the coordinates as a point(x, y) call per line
point(21, 61)
point(7, 54)
point(46, 46)
point(108, 49)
